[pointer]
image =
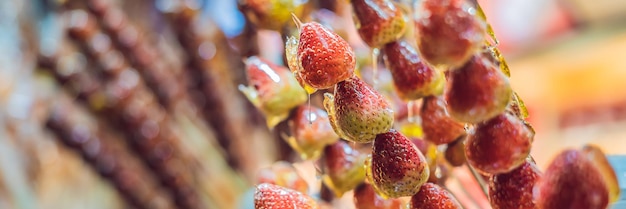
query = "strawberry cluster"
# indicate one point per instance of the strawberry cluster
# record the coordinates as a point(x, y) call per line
point(467, 107)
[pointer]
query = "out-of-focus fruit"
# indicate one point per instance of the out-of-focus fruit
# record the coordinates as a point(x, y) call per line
point(439, 127)
point(412, 78)
point(283, 174)
point(272, 14)
point(455, 152)
point(320, 58)
point(432, 196)
point(498, 145)
point(270, 196)
point(365, 197)
point(311, 131)
point(343, 167)
point(380, 21)
point(357, 111)
point(448, 34)
point(272, 89)
point(571, 181)
point(398, 167)
point(514, 189)
point(477, 91)
point(597, 157)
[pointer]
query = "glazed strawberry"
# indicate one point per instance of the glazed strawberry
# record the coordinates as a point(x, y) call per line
point(311, 131)
point(365, 197)
point(448, 34)
point(412, 78)
point(357, 111)
point(343, 167)
point(498, 145)
point(597, 157)
point(398, 167)
point(283, 174)
point(380, 21)
point(270, 196)
point(477, 91)
point(321, 58)
point(438, 126)
point(272, 89)
point(571, 181)
point(432, 196)
point(514, 189)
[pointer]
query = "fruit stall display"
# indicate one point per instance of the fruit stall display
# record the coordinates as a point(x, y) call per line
point(375, 104)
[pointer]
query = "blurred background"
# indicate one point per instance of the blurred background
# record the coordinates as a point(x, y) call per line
point(113, 104)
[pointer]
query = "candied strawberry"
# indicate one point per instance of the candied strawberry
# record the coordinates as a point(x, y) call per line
point(357, 111)
point(514, 189)
point(477, 91)
point(398, 167)
point(498, 145)
point(283, 174)
point(272, 89)
point(380, 21)
point(270, 196)
point(365, 197)
point(448, 34)
point(343, 167)
point(322, 58)
point(432, 196)
point(571, 181)
point(412, 78)
point(311, 131)
point(438, 126)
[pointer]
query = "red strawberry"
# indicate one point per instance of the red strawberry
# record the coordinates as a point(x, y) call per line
point(514, 189)
point(448, 34)
point(311, 131)
point(477, 91)
point(283, 174)
point(438, 126)
point(322, 58)
point(380, 21)
point(432, 196)
point(343, 167)
point(398, 167)
point(498, 145)
point(272, 89)
point(357, 111)
point(270, 196)
point(412, 78)
point(365, 197)
point(571, 181)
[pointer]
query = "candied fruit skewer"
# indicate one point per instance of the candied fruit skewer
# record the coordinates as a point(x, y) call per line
point(132, 180)
point(142, 56)
point(215, 84)
point(134, 111)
